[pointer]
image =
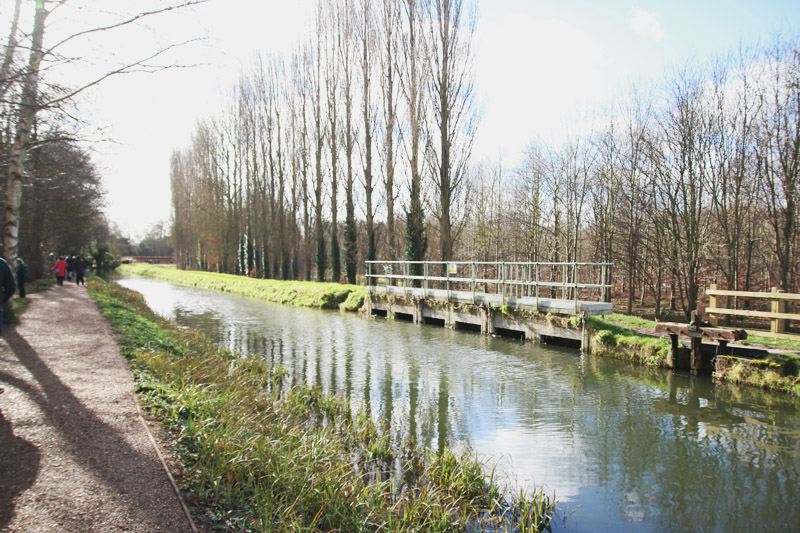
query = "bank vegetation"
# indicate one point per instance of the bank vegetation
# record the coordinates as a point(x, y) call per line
point(260, 452)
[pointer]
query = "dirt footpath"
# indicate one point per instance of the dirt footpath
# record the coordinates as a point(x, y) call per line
point(74, 455)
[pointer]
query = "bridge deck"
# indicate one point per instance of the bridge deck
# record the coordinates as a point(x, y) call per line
point(542, 305)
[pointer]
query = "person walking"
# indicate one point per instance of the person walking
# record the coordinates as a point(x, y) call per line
point(79, 267)
point(60, 268)
point(22, 276)
point(7, 287)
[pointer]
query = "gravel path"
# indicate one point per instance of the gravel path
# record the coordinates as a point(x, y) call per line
point(74, 455)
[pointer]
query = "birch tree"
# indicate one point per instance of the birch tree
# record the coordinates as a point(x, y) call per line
point(32, 100)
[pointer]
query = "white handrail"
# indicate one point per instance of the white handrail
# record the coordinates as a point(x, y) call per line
point(510, 277)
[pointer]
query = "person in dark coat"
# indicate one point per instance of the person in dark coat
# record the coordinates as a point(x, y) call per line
point(79, 267)
point(7, 287)
point(22, 276)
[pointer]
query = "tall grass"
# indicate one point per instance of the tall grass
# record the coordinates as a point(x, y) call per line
point(261, 453)
point(297, 293)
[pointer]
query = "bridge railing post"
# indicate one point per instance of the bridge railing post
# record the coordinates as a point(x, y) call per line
point(405, 278)
point(473, 270)
point(575, 283)
point(503, 282)
point(447, 281)
point(425, 281)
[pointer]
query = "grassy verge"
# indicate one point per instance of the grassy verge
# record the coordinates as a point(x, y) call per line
point(774, 372)
point(618, 336)
point(297, 293)
point(261, 453)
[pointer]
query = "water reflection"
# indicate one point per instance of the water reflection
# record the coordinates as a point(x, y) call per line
point(624, 447)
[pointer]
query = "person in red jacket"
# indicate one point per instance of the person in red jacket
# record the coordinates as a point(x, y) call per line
point(60, 268)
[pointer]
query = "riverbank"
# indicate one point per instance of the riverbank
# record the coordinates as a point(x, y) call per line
point(622, 337)
point(296, 293)
point(261, 453)
point(616, 335)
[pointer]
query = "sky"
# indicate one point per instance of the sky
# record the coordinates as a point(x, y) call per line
point(543, 70)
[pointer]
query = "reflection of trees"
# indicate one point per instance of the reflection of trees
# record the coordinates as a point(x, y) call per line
point(673, 451)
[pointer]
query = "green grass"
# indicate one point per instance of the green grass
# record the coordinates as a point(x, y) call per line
point(769, 341)
point(296, 293)
point(628, 322)
point(261, 453)
point(617, 335)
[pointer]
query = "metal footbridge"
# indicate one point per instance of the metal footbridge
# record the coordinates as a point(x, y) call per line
point(558, 288)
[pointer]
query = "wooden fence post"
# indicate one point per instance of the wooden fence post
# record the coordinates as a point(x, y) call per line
point(778, 325)
point(712, 303)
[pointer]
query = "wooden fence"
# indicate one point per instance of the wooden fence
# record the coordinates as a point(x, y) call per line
point(777, 314)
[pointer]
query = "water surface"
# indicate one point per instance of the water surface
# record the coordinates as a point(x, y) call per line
point(624, 448)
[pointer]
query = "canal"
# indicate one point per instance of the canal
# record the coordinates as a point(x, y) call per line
point(623, 447)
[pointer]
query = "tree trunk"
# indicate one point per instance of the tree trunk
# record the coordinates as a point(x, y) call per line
point(19, 149)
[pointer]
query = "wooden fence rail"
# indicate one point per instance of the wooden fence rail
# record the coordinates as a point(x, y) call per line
point(777, 314)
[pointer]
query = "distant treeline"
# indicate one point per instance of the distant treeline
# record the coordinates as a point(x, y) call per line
point(691, 181)
point(62, 203)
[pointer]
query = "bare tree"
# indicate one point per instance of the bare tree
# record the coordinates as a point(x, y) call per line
point(28, 107)
point(732, 187)
point(367, 32)
point(450, 29)
point(390, 53)
point(347, 50)
point(634, 141)
point(316, 83)
point(31, 100)
point(6, 76)
point(683, 182)
point(779, 153)
point(412, 85)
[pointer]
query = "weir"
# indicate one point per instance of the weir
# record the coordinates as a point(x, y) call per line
point(547, 302)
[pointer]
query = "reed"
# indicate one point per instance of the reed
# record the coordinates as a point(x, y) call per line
point(262, 453)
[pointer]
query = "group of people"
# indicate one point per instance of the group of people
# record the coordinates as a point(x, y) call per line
point(73, 267)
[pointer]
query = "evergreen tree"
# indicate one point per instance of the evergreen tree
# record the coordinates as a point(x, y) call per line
point(416, 238)
point(350, 245)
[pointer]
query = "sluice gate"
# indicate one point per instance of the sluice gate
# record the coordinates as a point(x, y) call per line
point(547, 302)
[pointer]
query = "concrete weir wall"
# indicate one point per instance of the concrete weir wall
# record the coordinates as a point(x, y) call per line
point(513, 322)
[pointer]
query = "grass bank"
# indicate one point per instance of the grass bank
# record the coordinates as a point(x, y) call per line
point(261, 453)
point(296, 293)
point(617, 335)
point(620, 336)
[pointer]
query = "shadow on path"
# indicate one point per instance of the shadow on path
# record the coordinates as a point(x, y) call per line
point(19, 464)
point(98, 447)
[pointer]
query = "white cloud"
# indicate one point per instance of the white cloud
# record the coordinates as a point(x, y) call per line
point(647, 24)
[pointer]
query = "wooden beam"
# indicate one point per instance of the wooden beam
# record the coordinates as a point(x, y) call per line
point(694, 332)
point(748, 294)
point(757, 314)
